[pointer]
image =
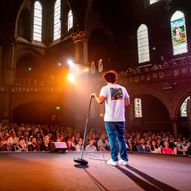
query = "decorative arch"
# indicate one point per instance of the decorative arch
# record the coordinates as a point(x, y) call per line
point(155, 94)
point(21, 7)
point(24, 25)
point(43, 107)
point(156, 112)
point(28, 65)
point(32, 52)
point(180, 99)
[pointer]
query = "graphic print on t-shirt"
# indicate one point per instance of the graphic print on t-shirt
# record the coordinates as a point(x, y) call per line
point(116, 93)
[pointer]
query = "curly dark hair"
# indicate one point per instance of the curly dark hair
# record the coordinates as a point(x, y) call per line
point(110, 76)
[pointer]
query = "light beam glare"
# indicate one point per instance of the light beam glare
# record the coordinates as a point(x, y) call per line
point(71, 78)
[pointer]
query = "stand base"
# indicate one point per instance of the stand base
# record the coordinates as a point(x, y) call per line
point(81, 161)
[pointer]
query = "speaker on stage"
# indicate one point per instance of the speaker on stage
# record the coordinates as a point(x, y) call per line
point(58, 147)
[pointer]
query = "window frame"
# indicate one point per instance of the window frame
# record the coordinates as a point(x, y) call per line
point(57, 25)
point(143, 47)
point(37, 21)
point(184, 46)
point(70, 20)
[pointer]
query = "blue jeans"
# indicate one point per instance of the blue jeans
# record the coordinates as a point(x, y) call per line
point(115, 132)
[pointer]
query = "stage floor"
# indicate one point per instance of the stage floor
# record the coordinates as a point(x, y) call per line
point(57, 171)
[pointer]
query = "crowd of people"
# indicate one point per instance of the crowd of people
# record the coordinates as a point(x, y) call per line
point(31, 137)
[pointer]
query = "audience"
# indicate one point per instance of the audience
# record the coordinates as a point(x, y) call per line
point(45, 144)
point(103, 144)
point(33, 146)
point(166, 149)
point(36, 138)
point(142, 147)
point(91, 146)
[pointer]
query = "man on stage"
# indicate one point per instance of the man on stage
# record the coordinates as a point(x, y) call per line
point(116, 98)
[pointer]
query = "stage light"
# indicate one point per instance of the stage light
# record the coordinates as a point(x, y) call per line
point(71, 78)
point(29, 68)
point(86, 69)
point(71, 64)
point(58, 108)
point(59, 64)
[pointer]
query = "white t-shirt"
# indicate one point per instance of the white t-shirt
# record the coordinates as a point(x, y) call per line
point(115, 102)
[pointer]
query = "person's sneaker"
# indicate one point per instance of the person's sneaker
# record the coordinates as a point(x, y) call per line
point(112, 162)
point(123, 162)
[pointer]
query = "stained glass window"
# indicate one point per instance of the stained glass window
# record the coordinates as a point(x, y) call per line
point(143, 44)
point(178, 33)
point(57, 20)
point(37, 25)
point(138, 108)
point(70, 20)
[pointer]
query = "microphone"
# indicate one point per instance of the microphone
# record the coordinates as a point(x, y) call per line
point(92, 96)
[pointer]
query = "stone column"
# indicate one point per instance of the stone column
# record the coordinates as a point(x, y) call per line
point(1, 65)
point(174, 126)
point(80, 40)
point(9, 67)
point(8, 75)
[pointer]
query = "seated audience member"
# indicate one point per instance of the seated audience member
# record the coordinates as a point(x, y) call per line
point(103, 144)
point(45, 144)
point(3, 144)
point(9, 146)
point(179, 146)
point(148, 143)
point(91, 146)
point(71, 143)
point(34, 146)
point(155, 148)
point(172, 145)
point(22, 145)
point(141, 147)
point(39, 139)
point(184, 147)
point(58, 137)
point(15, 138)
point(79, 145)
point(166, 149)
point(189, 150)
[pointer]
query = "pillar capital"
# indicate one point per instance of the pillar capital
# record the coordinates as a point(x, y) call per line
point(79, 36)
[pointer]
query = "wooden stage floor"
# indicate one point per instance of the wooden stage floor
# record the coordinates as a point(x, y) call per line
point(57, 171)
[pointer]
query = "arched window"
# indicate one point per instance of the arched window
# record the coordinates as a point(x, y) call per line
point(70, 20)
point(153, 1)
point(184, 107)
point(57, 19)
point(178, 33)
point(143, 44)
point(37, 25)
point(138, 108)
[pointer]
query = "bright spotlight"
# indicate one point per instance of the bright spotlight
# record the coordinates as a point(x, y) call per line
point(71, 78)
point(86, 69)
point(71, 64)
